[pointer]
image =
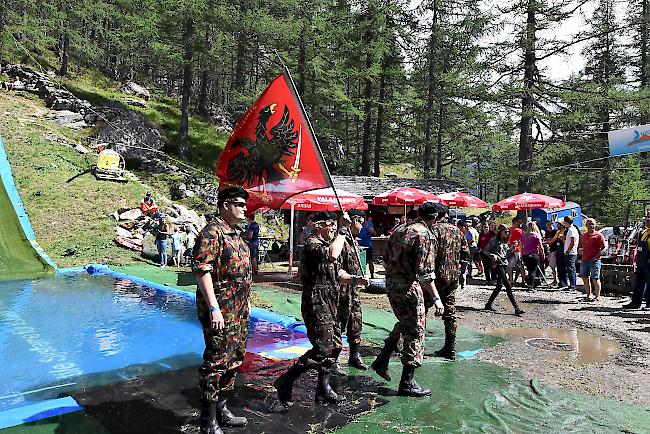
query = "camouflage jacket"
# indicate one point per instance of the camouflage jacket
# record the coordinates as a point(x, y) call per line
point(222, 251)
point(348, 259)
point(447, 243)
point(317, 269)
point(408, 254)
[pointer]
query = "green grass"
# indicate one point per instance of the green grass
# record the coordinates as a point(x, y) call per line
point(205, 142)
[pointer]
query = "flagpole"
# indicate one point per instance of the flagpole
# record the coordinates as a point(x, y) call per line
point(320, 152)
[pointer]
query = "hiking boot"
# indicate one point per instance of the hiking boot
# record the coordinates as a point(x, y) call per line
point(519, 311)
point(324, 392)
point(448, 349)
point(225, 417)
point(490, 307)
point(380, 365)
point(208, 419)
point(284, 384)
point(355, 359)
point(408, 386)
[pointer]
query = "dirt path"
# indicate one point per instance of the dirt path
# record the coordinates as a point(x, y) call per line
point(616, 369)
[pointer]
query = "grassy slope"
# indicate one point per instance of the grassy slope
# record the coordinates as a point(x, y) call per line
point(69, 219)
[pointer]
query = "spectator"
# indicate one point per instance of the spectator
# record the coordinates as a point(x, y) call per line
point(253, 239)
point(396, 223)
point(561, 260)
point(471, 235)
point(498, 250)
point(365, 240)
point(487, 233)
point(641, 290)
point(571, 241)
point(148, 205)
point(532, 252)
point(550, 239)
point(162, 232)
point(593, 247)
point(177, 246)
point(188, 244)
point(515, 245)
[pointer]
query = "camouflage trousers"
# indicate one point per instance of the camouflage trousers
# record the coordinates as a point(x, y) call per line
point(319, 311)
point(224, 349)
point(447, 293)
point(409, 307)
point(349, 313)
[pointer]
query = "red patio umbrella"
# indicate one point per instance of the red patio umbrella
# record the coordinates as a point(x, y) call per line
point(324, 199)
point(405, 196)
point(526, 201)
point(462, 200)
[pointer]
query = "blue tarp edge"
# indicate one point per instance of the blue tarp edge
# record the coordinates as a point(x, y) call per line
point(37, 411)
point(8, 182)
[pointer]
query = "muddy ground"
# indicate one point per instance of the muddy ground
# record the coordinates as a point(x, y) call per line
point(589, 363)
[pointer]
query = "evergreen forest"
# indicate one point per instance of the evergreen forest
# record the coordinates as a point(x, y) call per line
point(471, 90)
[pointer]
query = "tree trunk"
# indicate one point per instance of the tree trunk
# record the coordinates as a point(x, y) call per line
point(643, 42)
point(525, 179)
point(380, 119)
point(65, 44)
point(239, 79)
point(367, 122)
point(302, 60)
point(431, 89)
point(183, 145)
point(205, 74)
point(439, 151)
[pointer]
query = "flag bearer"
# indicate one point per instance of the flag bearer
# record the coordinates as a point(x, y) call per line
point(321, 279)
point(222, 265)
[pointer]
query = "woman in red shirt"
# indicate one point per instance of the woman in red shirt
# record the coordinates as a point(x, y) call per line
point(488, 231)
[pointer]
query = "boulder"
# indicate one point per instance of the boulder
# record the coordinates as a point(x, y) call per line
point(68, 119)
point(131, 88)
point(135, 102)
point(121, 232)
point(132, 214)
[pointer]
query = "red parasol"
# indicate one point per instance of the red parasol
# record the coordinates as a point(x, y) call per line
point(324, 199)
point(462, 200)
point(405, 196)
point(526, 201)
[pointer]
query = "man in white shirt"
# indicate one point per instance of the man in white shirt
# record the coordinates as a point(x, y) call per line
point(571, 241)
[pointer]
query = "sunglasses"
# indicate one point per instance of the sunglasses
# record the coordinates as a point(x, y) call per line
point(238, 204)
point(325, 223)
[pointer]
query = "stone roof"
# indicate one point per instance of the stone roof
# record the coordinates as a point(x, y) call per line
point(370, 186)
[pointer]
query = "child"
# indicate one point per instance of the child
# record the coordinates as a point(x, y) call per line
point(498, 248)
point(177, 247)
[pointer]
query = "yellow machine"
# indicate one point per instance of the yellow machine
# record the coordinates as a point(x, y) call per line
point(110, 166)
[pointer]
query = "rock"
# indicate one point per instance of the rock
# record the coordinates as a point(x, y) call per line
point(135, 102)
point(133, 214)
point(68, 119)
point(121, 232)
point(131, 88)
point(116, 216)
point(81, 149)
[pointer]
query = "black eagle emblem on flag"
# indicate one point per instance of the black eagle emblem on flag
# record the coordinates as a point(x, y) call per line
point(261, 160)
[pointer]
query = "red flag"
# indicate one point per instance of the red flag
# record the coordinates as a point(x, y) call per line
point(272, 152)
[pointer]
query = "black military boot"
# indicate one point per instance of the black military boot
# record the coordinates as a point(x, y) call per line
point(408, 386)
point(488, 305)
point(324, 392)
point(225, 417)
point(208, 419)
point(448, 351)
point(284, 383)
point(355, 359)
point(338, 369)
point(380, 365)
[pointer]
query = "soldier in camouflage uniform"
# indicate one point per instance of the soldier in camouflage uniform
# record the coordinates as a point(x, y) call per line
point(321, 279)
point(349, 308)
point(448, 246)
point(410, 264)
point(222, 266)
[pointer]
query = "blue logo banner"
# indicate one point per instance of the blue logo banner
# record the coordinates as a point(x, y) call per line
point(629, 140)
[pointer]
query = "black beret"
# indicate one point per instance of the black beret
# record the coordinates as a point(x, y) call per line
point(430, 209)
point(356, 212)
point(231, 193)
point(323, 215)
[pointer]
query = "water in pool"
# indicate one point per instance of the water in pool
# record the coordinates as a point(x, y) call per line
point(77, 330)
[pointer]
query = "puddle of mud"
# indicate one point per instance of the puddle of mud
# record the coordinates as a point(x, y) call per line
point(562, 343)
